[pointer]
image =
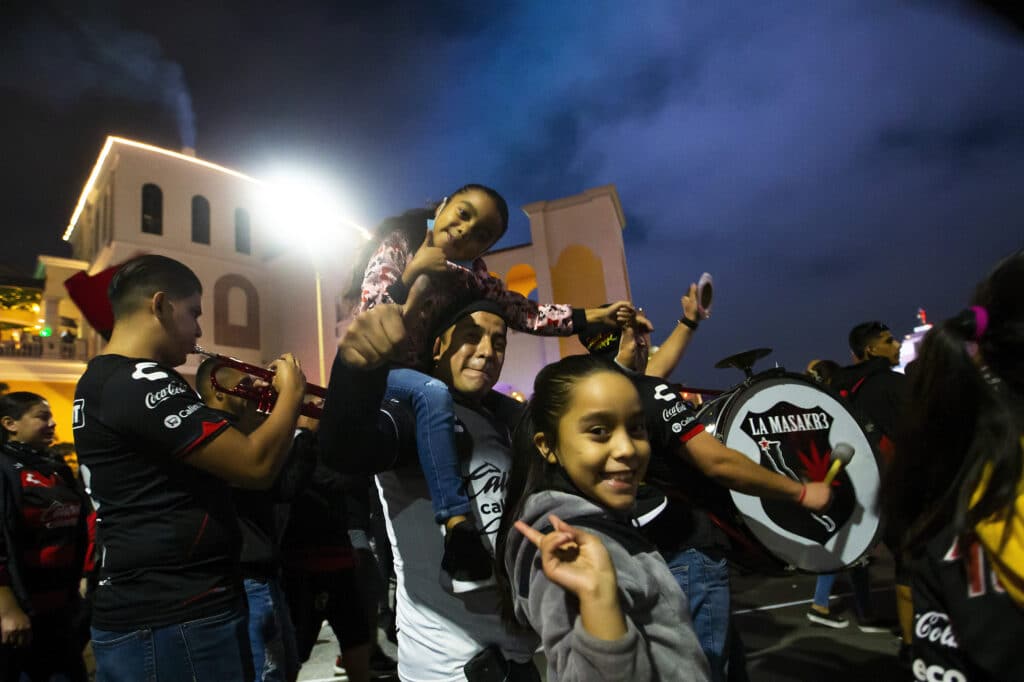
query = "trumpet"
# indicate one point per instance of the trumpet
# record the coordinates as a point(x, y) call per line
point(263, 396)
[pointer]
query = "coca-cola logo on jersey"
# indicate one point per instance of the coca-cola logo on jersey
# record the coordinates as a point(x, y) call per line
point(934, 627)
point(60, 515)
point(669, 413)
point(936, 673)
point(154, 398)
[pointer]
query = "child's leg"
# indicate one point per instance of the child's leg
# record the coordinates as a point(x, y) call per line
point(435, 438)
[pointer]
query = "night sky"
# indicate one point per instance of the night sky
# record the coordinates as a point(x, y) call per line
point(829, 162)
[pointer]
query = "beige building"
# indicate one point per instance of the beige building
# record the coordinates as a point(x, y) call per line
point(261, 295)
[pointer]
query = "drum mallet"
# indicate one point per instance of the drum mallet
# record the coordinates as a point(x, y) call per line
point(842, 453)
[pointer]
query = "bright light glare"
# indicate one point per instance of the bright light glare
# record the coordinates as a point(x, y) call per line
point(308, 210)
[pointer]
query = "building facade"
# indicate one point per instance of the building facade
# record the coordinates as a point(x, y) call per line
point(263, 297)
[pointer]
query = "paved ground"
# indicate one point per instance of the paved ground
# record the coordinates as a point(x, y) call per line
point(782, 645)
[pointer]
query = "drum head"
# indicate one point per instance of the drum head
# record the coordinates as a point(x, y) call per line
point(790, 425)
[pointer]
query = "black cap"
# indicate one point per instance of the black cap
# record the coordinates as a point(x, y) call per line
point(460, 309)
point(600, 341)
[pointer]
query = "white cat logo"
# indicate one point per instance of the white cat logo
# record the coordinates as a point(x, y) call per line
point(663, 392)
point(143, 370)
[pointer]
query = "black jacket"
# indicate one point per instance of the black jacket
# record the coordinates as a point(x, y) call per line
point(876, 392)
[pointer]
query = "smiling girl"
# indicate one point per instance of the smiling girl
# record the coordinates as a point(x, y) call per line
point(602, 599)
point(42, 546)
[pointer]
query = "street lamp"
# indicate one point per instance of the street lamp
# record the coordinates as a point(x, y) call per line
point(311, 212)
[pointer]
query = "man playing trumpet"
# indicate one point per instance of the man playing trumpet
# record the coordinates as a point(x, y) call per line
point(158, 465)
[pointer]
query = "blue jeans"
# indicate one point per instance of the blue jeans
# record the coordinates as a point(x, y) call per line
point(214, 649)
point(861, 590)
point(705, 582)
point(271, 635)
point(435, 438)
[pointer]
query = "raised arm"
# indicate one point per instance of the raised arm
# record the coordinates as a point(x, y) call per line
point(671, 350)
point(546, 319)
point(355, 437)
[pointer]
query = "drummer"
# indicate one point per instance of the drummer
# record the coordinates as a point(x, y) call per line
point(692, 546)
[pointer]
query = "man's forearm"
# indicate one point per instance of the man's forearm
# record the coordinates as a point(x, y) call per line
point(349, 427)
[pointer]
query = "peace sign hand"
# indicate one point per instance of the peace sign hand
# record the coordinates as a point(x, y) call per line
point(573, 559)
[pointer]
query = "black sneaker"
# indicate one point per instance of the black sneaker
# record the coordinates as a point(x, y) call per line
point(829, 620)
point(466, 559)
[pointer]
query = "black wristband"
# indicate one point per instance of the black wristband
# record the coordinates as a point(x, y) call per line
point(692, 324)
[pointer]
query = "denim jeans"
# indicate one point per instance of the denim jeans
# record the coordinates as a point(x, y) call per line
point(861, 582)
point(705, 582)
point(214, 649)
point(435, 438)
point(271, 635)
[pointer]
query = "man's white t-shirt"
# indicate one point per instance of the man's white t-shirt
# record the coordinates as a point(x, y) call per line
point(438, 631)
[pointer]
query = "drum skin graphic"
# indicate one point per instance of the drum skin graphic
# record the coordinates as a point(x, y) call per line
point(790, 425)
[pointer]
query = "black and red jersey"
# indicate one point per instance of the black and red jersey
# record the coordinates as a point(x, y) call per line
point(44, 538)
point(671, 421)
point(167, 533)
point(966, 628)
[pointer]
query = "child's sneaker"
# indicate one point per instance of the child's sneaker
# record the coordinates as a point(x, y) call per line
point(339, 670)
point(466, 559)
point(828, 619)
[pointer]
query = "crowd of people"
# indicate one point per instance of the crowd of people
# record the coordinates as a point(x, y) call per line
point(205, 540)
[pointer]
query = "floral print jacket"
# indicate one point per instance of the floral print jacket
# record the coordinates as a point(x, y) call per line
point(382, 283)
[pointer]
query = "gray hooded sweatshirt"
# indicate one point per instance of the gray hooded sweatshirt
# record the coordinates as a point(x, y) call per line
point(659, 643)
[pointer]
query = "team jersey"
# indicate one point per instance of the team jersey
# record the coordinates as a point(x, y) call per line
point(167, 532)
point(966, 628)
point(45, 536)
point(671, 421)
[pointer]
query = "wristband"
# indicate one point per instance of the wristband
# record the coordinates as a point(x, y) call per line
point(692, 324)
point(803, 494)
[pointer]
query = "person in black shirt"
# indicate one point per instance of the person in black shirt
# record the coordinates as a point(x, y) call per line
point(271, 634)
point(158, 465)
point(878, 396)
point(43, 543)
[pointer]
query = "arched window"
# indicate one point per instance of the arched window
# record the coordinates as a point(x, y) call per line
point(236, 312)
point(243, 237)
point(200, 220)
point(152, 209)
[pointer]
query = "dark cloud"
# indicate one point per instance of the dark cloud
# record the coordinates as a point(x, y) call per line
point(827, 162)
point(64, 56)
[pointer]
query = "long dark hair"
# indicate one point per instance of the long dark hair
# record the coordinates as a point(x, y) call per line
point(15, 405)
point(965, 415)
point(412, 225)
point(531, 471)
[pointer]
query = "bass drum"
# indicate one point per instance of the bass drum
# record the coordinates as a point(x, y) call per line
point(788, 424)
